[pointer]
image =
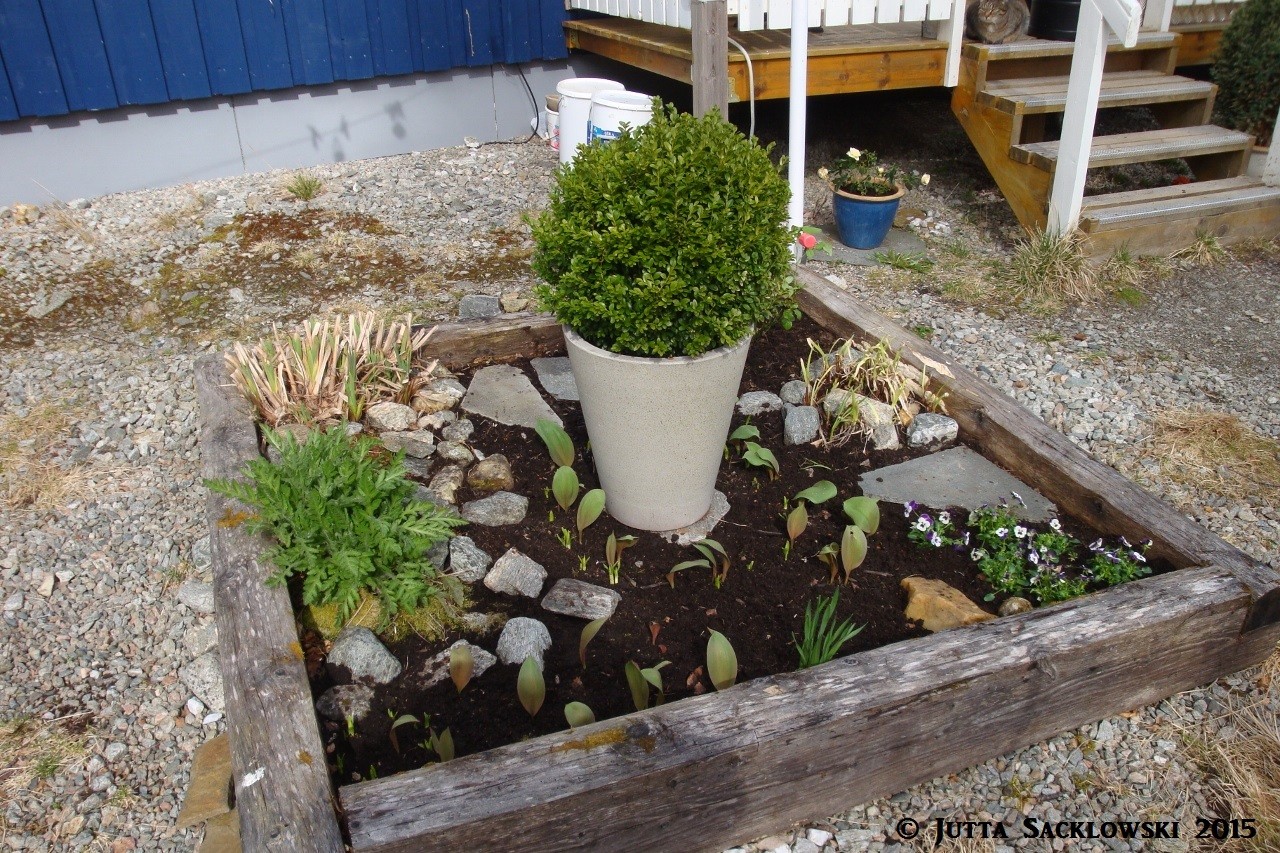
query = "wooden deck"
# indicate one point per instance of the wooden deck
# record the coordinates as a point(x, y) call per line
point(865, 58)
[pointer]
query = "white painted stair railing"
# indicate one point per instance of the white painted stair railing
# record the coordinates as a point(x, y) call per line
point(1123, 17)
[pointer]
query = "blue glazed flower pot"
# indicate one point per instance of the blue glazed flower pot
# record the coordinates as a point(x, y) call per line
point(862, 221)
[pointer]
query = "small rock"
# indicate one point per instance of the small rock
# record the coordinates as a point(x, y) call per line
point(345, 700)
point(455, 452)
point(513, 301)
point(467, 562)
point(800, 425)
point(203, 677)
point(360, 652)
point(475, 306)
point(114, 750)
point(46, 306)
point(436, 670)
point(202, 554)
point(500, 508)
point(211, 718)
point(197, 595)
point(390, 417)
point(459, 431)
point(929, 430)
point(586, 601)
point(431, 402)
point(418, 469)
point(492, 474)
point(201, 639)
point(45, 585)
point(516, 574)
point(556, 377)
point(419, 443)
point(438, 554)
point(13, 603)
point(835, 401)
point(758, 402)
point(195, 707)
point(446, 482)
point(940, 606)
point(522, 638)
point(793, 392)
point(1013, 606)
point(820, 837)
point(880, 420)
point(438, 420)
point(804, 845)
point(447, 385)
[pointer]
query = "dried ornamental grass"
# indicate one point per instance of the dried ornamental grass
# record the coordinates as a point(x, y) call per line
point(332, 368)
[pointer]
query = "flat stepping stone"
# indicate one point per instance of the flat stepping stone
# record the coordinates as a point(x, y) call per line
point(497, 510)
point(955, 477)
point(436, 669)
point(555, 377)
point(522, 638)
point(503, 393)
point(700, 529)
point(585, 600)
point(516, 574)
point(897, 240)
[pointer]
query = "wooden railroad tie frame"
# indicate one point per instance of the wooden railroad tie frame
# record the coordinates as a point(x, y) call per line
point(725, 767)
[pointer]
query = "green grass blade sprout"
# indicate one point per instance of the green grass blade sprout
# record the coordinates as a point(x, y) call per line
point(558, 443)
point(823, 636)
point(589, 632)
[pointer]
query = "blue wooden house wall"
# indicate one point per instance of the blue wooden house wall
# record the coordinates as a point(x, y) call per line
point(60, 56)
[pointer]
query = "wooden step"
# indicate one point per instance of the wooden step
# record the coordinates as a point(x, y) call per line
point(1144, 147)
point(1119, 89)
point(1042, 48)
point(1166, 219)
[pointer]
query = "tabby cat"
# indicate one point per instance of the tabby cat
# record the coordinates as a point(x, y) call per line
point(997, 21)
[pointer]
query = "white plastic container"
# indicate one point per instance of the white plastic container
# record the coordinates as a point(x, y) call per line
point(553, 121)
point(575, 111)
point(611, 110)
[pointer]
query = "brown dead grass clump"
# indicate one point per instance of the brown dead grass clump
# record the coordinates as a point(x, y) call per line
point(29, 476)
point(1217, 451)
point(32, 749)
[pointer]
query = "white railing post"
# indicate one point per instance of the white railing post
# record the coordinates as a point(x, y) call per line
point(1083, 88)
point(951, 30)
point(1157, 16)
point(1271, 168)
point(799, 95)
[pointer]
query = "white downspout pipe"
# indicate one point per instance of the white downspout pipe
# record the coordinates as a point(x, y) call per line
point(798, 102)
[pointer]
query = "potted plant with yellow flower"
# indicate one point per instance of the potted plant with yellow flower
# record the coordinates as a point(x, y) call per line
point(865, 196)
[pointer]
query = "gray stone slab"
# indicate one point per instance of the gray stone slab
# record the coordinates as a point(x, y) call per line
point(955, 477)
point(898, 240)
point(516, 574)
point(556, 377)
point(504, 394)
point(585, 600)
point(476, 306)
point(497, 510)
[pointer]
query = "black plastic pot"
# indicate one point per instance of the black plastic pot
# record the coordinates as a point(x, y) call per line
point(1054, 19)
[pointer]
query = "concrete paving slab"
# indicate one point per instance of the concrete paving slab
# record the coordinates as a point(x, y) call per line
point(955, 477)
point(504, 394)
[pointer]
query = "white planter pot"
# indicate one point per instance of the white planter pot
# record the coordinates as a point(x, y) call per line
point(657, 428)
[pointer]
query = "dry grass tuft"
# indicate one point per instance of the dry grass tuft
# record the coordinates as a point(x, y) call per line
point(29, 476)
point(32, 750)
point(1217, 451)
point(1244, 774)
point(1048, 270)
point(1205, 251)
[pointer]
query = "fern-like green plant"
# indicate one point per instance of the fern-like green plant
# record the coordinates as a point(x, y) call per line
point(344, 520)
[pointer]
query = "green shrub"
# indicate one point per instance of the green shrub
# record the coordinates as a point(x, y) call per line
point(345, 520)
point(1247, 70)
point(668, 241)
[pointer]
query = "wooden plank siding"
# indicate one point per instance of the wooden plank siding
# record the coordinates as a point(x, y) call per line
point(64, 56)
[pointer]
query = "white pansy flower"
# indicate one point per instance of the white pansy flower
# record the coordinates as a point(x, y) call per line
point(823, 173)
point(853, 153)
point(1020, 532)
point(924, 180)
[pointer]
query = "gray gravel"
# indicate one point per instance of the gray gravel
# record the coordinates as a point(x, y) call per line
point(110, 639)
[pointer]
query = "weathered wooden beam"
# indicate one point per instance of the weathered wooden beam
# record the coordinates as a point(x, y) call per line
point(464, 343)
point(283, 794)
point(710, 57)
point(712, 771)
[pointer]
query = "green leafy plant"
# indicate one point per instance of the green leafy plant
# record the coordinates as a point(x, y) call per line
point(761, 457)
point(531, 687)
point(346, 521)
point(565, 538)
point(558, 443)
point(670, 240)
point(641, 680)
point(589, 632)
point(740, 436)
point(853, 549)
point(861, 173)
point(722, 661)
point(1247, 70)
point(864, 512)
point(304, 187)
point(564, 485)
point(903, 261)
point(613, 548)
point(397, 722)
point(461, 666)
point(823, 636)
point(798, 518)
point(576, 714)
point(589, 510)
point(714, 557)
point(442, 745)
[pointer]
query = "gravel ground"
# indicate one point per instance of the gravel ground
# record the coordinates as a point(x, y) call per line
point(99, 649)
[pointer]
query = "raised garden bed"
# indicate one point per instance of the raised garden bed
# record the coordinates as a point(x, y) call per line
point(724, 767)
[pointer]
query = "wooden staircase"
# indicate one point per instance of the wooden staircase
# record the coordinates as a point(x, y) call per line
point(1007, 93)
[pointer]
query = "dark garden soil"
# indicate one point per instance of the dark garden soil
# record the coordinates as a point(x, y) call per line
point(759, 607)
